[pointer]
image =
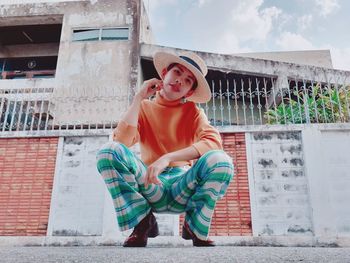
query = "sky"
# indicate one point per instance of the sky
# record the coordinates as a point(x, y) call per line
point(240, 26)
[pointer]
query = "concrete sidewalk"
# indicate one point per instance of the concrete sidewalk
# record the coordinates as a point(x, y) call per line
point(95, 254)
point(177, 241)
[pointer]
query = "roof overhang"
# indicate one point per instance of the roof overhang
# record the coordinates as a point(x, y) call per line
point(255, 66)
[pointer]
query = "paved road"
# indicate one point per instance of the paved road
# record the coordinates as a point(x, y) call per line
point(173, 254)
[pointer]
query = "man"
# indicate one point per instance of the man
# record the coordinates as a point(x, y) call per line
point(172, 132)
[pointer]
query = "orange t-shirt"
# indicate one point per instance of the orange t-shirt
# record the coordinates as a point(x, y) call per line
point(167, 126)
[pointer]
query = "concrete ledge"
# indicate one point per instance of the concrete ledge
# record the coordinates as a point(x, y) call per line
point(176, 241)
point(222, 129)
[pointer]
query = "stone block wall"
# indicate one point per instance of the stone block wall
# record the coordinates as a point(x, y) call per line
point(327, 154)
point(79, 191)
point(336, 164)
point(286, 183)
point(279, 186)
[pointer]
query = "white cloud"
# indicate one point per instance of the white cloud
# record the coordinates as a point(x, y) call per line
point(304, 22)
point(289, 41)
point(237, 26)
point(203, 2)
point(224, 26)
point(292, 41)
point(284, 20)
point(229, 43)
point(327, 6)
point(153, 6)
point(251, 23)
point(230, 25)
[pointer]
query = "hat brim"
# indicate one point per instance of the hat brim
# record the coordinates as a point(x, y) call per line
point(202, 94)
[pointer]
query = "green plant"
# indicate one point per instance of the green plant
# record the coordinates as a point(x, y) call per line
point(319, 106)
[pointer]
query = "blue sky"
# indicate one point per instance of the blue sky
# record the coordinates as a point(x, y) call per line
point(236, 26)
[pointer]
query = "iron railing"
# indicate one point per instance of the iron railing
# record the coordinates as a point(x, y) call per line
point(33, 110)
point(237, 99)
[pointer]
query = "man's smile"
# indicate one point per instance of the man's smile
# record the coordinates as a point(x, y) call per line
point(174, 87)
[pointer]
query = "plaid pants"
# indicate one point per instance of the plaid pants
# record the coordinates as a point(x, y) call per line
point(194, 191)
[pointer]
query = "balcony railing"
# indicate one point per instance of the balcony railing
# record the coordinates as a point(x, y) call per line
point(19, 74)
point(254, 100)
point(237, 100)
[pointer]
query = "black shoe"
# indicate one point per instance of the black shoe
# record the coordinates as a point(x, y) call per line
point(148, 227)
point(188, 234)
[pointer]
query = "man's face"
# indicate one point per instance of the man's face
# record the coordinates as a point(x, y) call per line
point(177, 83)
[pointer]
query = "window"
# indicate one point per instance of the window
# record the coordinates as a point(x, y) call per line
point(30, 34)
point(115, 34)
point(86, 35)
point(98, 34)
point(28, 67)
point(30, 60)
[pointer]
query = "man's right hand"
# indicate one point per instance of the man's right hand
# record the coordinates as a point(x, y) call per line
point(149, 88)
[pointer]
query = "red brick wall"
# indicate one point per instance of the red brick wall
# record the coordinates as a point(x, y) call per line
point(232, 215)
point(27, 167)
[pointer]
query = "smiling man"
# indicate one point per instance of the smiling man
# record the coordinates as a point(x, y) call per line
point(182, 167)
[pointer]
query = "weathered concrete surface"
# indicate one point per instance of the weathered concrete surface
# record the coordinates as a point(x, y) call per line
point(29, 50)
point(187, 254)
point(318, 58)
point(146, 35)
point(231, 63)
point(11, 2)
point(94, 79)
point(336, 163)
point(78, 197)
point(176, 241)
point(327, 154)
point(97, 75)
point(81, 204)
point(278, 184)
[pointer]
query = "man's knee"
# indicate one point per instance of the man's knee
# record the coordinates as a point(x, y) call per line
point(215, 157)
point(217, 161)
point(109, 149)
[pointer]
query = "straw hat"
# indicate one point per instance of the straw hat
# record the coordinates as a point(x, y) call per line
point(193, 63)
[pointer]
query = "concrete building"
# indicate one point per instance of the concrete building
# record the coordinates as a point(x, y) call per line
point(318, 58)
point(69, 70)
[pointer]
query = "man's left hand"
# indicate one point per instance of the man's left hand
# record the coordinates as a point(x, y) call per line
point(155, 169)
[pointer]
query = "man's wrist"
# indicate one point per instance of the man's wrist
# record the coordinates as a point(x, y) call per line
point(167, 157)
point(137, 98)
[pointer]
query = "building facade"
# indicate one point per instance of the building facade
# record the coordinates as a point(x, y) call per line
point(70, 69)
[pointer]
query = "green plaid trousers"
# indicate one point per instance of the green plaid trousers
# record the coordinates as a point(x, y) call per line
point(194, 191)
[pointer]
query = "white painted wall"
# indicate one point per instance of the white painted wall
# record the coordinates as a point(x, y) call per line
point(81, 204)
point(299, 184)
point(305, 196)
point(278, 184)
point(327, 154)
point(78, 196)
